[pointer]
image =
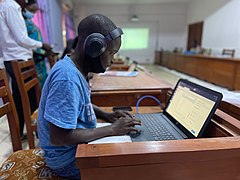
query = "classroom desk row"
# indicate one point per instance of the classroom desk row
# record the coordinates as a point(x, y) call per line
point(223, 71)
point(215, 156)
point(125, 91)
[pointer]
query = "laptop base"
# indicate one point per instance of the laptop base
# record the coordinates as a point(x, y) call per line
point(155, 128)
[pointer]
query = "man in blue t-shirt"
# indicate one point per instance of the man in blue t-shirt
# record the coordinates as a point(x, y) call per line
point(66, 116)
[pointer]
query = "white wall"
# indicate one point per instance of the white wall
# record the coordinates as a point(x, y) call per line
point(56, 24)
point(199, 10)
point(167, 24)
point(222, 29)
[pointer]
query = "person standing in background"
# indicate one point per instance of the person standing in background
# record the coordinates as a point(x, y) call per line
point(16, 45)
point(34, 32)
point(1, 56)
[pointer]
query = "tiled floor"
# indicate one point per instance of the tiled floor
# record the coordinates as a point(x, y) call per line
point(170, 76)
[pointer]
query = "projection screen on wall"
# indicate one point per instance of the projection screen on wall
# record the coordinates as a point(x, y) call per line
point(135, 38)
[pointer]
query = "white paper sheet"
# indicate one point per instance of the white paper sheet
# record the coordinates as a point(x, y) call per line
point(110, 139)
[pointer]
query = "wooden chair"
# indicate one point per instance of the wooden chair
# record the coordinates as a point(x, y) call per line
point(206, 51)
point(10, 111)
point(230, 52)
point(21, 164)
point(132, 67)
point(27, 79)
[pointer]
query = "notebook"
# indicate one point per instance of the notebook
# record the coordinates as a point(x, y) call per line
point(186, 115)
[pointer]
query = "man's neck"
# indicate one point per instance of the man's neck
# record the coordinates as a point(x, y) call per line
point(78, 63)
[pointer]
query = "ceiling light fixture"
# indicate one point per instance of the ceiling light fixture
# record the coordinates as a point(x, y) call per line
point(134, 18)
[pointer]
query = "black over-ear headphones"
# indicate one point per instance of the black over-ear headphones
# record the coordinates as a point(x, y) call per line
point(95, 44)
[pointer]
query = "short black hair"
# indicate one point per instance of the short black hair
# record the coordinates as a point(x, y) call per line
point(29, 2)
point(95, 23)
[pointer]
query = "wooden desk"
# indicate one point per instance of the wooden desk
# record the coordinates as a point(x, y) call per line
point(125, 91)
point(216, 158)
point(118, 62)
point(206, 158)
point(119, 67)
point(223, 71)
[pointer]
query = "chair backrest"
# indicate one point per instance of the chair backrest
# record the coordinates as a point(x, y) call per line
point(23, 164)
point(8, 108)
point(207, 51)
point(27, 80)
point(230, 52)
point(132, 67)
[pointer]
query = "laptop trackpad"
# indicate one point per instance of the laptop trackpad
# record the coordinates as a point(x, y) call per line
point(143, 135)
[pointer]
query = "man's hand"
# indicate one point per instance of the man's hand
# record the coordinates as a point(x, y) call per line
point(49, 53)
point(112, 117)
point(46, 47)
point(124, 125)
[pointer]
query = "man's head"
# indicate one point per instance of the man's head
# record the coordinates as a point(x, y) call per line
point(30, 8)
point(98, 39)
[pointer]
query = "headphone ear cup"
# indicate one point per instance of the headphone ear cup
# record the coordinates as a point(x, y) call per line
point(95, 44)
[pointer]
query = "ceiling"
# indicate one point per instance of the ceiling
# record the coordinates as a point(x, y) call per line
point(128, 1)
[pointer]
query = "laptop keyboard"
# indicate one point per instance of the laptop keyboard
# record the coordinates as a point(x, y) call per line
point(156, 128)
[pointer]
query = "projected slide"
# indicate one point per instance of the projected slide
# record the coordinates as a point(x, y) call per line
point(135, 38)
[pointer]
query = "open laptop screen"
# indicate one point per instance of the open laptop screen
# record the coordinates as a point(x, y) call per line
point(191, 106)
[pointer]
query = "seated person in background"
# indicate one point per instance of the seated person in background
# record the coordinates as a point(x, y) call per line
point(195, 49)
point(66, 116)
point(34, 32)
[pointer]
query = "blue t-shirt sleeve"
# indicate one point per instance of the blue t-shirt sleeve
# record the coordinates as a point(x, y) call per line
point(62, 104)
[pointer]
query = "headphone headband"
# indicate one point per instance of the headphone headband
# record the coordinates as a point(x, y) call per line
point(114, 34)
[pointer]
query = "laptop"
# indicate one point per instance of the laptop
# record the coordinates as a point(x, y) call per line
point(186, 115)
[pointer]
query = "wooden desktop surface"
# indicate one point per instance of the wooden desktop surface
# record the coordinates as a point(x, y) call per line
point(205, 158)
point(143, 81)
point(119, 67)
point(125, 91)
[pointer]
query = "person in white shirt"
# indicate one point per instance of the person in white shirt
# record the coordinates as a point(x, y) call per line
point(1, 56)
point(15, 45)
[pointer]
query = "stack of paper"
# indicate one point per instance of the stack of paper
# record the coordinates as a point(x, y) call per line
point(110, 139)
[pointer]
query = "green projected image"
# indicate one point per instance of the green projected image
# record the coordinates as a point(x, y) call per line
point(135, 38)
